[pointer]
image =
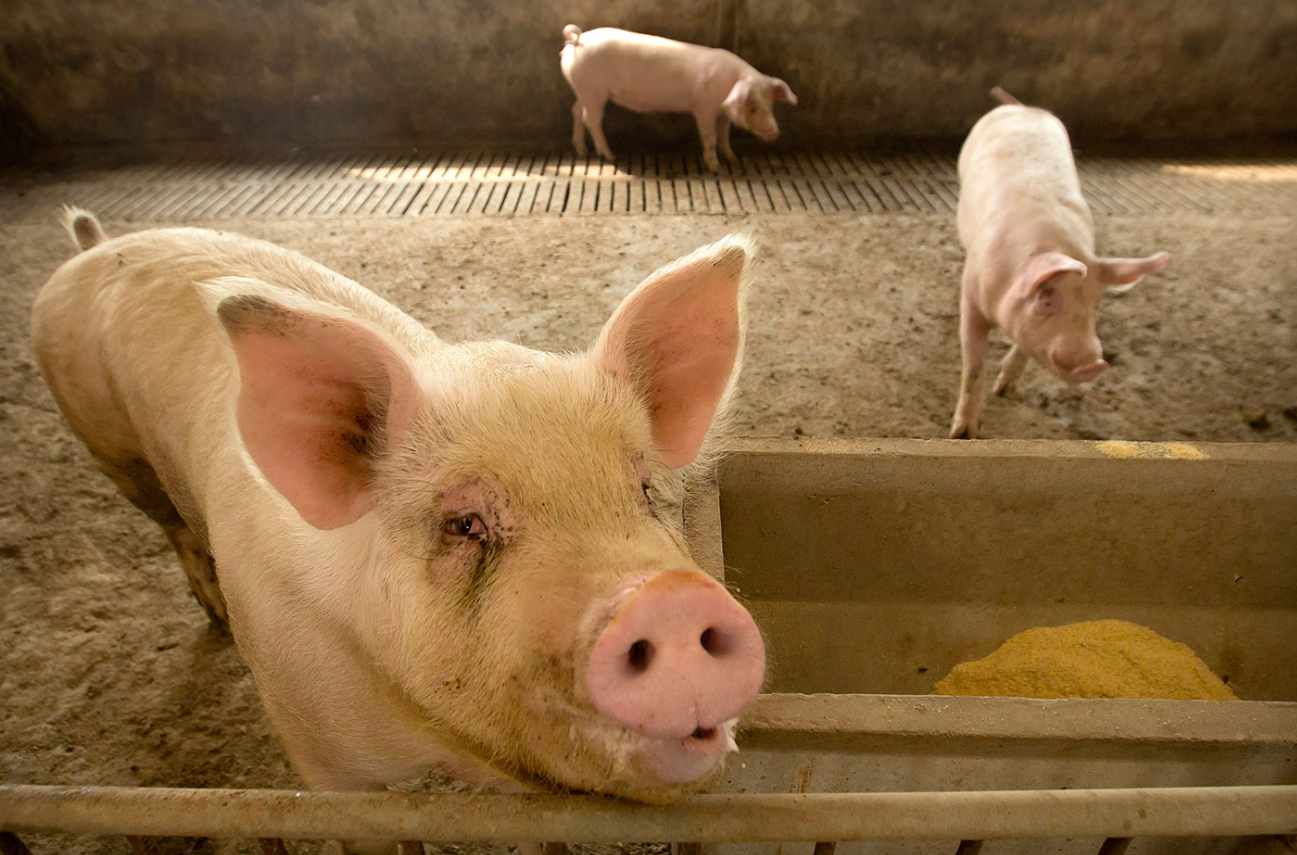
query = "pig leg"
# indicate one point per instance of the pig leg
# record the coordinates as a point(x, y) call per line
point(973, 333)
point(139, 483)
point(578, 128)
point(594, 121)
point(707, 131)
point(1010, 370)
point(723, 138)
point(320, 778)
point(200, 569)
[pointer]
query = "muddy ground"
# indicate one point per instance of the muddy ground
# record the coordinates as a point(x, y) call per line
point(109, 673)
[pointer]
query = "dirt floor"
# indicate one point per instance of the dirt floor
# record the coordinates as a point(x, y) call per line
point(109, 673)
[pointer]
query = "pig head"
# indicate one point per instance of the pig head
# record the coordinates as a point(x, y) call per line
point(467, 555)
point(1031, 266)
point(750, 104)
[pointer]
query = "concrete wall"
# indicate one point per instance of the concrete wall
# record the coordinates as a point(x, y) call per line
point(437, 72)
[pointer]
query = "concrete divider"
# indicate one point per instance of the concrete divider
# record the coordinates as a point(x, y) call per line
point(248, 74)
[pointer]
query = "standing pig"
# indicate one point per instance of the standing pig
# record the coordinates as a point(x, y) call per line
point(466, 555)
point(1031, 266)
point(650, 74)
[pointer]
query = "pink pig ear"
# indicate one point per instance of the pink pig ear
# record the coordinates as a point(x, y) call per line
point(320, 397)
point(678, 338)
point(738, 94)
point(1044, 267)
point(782, 92)
point(1123, 273)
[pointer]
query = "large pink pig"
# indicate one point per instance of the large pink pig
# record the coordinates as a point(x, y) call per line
point(467, 555)
point(1031, 266)
point(650, 74)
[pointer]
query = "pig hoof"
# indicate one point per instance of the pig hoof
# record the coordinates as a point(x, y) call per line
point(215, 616)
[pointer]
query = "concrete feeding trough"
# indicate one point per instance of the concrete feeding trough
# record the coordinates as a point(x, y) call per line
point(873, 567)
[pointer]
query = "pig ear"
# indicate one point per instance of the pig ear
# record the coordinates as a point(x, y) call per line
point(1045, 266)
point(678, 339)
point(320, 398)
point(738, 94)
point(782, 92)
point(1125, 272)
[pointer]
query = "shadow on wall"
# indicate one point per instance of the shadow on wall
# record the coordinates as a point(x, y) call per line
point(454, 72)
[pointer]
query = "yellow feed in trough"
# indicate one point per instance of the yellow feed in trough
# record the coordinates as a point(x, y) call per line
point(1096, 659)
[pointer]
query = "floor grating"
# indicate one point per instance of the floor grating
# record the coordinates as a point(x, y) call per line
point(478, 183)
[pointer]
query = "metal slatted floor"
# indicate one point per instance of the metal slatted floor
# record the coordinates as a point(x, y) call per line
point(476, 183)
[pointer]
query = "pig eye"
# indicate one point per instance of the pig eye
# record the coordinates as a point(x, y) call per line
point(1046, 300)
point(466, 526)
point(648, 494)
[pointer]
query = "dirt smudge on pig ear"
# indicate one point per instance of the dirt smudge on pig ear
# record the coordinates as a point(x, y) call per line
point(253, 313)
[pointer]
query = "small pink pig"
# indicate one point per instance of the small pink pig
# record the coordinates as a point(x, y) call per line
point(1031, 266)
point(463, 555)
point(650, 74)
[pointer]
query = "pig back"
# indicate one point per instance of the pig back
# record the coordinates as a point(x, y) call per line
point(652, 74)
point(142, 370)
point(1016, 164)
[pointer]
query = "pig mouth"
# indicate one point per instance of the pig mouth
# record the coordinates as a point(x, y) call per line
point(693, 758)
point(676, 761)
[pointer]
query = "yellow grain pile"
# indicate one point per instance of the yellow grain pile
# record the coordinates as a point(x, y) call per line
point(1096, 659)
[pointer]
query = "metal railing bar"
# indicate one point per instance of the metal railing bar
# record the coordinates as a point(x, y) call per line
point(982, 815)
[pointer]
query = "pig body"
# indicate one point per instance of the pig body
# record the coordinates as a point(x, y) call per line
point(650, 74)
point(1031, 266)
point(428, 553)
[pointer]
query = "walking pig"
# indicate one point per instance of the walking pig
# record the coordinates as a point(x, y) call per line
point(650, 74)
point(1031, 266)
point(466, 555)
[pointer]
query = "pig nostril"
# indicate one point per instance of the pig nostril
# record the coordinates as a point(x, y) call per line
point(703, 733)
point(639, 656)
point(714, 642)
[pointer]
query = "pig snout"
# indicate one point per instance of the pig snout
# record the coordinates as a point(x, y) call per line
point(678, 659)
point(1086, 373)
point(1077, 359)
point(764, 126)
